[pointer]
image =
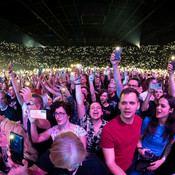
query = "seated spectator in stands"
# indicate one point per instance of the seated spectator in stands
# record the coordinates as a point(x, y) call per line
point(63, 111)
point(108, 110)
point(158, 133)
point(148, 82)
point(13, 102)
point(5, 110)
point(6, 126)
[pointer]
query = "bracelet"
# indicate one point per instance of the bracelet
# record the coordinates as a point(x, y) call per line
point(139, 148)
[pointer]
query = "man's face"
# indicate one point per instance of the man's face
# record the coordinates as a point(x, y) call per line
point(128, 105)
point(133, 84)
point(11, 91)
point(111, 88)
point(3, 100)
point(104, 97)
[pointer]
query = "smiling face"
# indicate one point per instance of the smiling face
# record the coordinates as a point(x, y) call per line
point(95, 111)
point(61, 116)
point(128, 105)
point(163, 109)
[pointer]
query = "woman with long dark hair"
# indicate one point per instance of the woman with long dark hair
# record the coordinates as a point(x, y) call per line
point(158, 133)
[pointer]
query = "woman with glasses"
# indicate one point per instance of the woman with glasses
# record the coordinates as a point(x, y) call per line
point(63, 111)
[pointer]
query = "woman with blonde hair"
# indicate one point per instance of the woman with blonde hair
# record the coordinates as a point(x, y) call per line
point(67, 151)
point(6, 126)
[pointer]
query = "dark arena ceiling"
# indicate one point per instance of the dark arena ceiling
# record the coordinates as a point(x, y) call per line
point(88, 22)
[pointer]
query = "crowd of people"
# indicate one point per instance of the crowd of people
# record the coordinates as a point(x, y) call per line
point(145, 57)
point(98, 122)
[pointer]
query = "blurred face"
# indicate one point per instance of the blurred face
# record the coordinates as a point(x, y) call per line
point(163, 109)
point(61, 116)
point(97, 80)
point(158, 93)
point(111, 88)
point(4, 86)
point(84, 91)
point(104, 97)
point(49, 102)
point(83, 80)
point(133, 84)
point(2, 100)
point(102, 78)
point(128, 105)
point(11, 91)
point(112, 80)
point(95, 111)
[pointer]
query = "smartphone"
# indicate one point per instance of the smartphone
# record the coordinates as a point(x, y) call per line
point(16, 148)
point(149, 154)
point(39, 72)
point(117, 52)
point(38, 114)
point(173, 62)
point(157, 86)
point(57, 75)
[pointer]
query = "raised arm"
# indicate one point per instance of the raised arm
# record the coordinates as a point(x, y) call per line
point(49, 88)
point(117, 77)
point(15, 86)
point(91, 85)
point(37, 138)
point(171, 79)
point(79, 97)
point(145, 104)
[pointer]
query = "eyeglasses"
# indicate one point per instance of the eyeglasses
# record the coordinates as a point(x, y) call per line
point(60, 114)
point(131, 85)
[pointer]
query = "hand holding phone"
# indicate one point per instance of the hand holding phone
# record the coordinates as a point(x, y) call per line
point(117, 52)
point(173, 62)
point(38, 114)
point(157, 86)
point(16, 148)
point(149, 154)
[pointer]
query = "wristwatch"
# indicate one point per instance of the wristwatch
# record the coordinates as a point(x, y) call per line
point(30, 102)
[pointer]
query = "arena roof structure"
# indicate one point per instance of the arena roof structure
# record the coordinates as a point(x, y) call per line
point(88, 22)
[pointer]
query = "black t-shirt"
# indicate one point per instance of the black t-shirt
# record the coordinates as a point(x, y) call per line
point(50, 117)
point(151, 111)
point(17, 107)
point(108, 112)
point(9, 113)
point(91, 166)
